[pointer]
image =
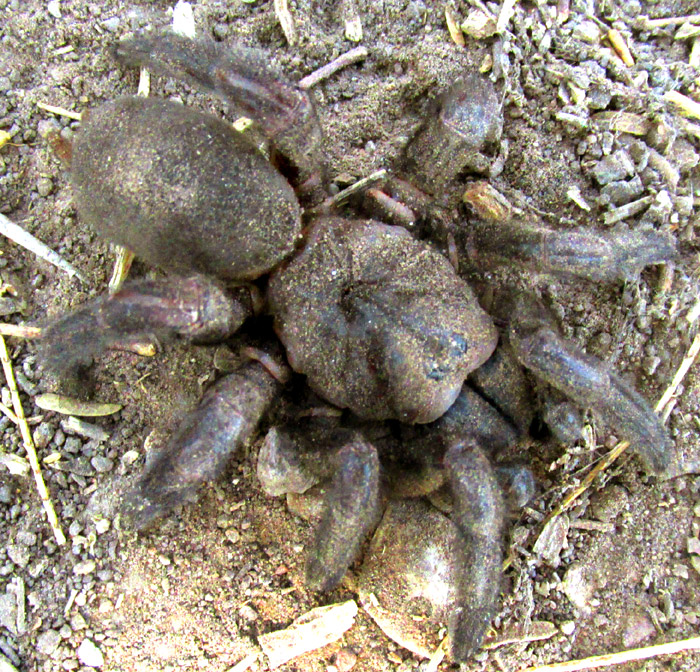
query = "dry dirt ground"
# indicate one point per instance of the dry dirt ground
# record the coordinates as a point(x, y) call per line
point(196, 593)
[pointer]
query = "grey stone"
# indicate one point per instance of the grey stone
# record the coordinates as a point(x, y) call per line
point(102, 464)
point(8, 612)
point(617, 166)
point(42, 435)
point(18, 554)
point(623, 191)
point(607, 504)
point(280, 470)
point(44, 186)
point(47, 642)
point(85, 567)
point(26, 538)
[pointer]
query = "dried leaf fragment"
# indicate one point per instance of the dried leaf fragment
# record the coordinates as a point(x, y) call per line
point(686, 106)
point(487, 202)
point(622, 122)
point(686, 31)
point(620, 46)
point(312, 630)
point(69, 406)
point(453, 27)
point(15, 464)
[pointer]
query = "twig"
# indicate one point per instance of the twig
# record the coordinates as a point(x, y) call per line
point(29, 445)
point(348, 58)
point(586, 482)
point(286, 21)
point(683, 369)
point(621, 657)
point(122, 264)
point(246, 663)
point(361, 185)
point(647, 23)
point(19, 330)
point(505, 14)
point(61, 111)
point(18, 235)
point(437, 657)
point(686, 106)
point(9, 413)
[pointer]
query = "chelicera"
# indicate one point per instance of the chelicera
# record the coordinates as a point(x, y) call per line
point(375, 321)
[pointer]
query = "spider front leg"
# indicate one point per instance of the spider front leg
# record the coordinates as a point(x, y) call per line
point(289, 464)
point(587, 381)
point(195, 308)
point(244, 78)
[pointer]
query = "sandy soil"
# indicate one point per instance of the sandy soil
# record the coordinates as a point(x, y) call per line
point(197, 592)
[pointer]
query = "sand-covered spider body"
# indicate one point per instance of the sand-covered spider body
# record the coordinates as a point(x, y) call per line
point(377, 322)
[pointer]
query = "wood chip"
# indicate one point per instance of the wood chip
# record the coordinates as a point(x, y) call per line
point(622, 122)
point(286, 21)
point(686, 106)
point(353, 24)
point(628, 210)
point(69, 406)
point(487, 202)
point(453, 27)
point(505, 14)
point(517, 633)
point(552, 540)
point(311, 631)
point(620, 46)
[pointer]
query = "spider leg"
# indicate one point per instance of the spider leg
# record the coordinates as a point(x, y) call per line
point(195, 308)
point(479, 515)
point(350, 510)
point(225, 419)
point(601, 256)
point(244, 78)
point(587, 381)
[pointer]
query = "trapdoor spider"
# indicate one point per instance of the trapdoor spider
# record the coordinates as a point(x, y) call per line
point(378, 322)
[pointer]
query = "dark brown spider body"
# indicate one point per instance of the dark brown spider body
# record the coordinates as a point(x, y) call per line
point(378, 322)
point(144, 169)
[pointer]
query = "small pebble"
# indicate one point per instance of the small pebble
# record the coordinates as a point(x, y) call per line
point(44, 186)
point(345, 660)
point(47, 642)
point(693, 545)
point(18, 554)
point(102, 464)
point(89, 654)
point(84, 568)
point(42, 435)
point(568, 627)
